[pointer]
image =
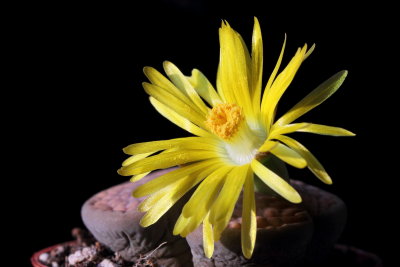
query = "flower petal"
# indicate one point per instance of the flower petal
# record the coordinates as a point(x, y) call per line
point(267, 146)
point(256, 65)
point(180, 107)
point(185, 225)
point(204, 200)
point(204, 88)
point(151, 200)
point(225, 203)
point(234, 69)
point(249, 223)
point(178, 119)
point(135, 158)
point(166, 160)
point(286, 129)
point(275, 182)
point(276, 68)
point(273, 95)
point(205, 194)
point(289, 156)
point(138, 177)
point(170, 177)
point(180, 225)
point(315, 98)
point(177, 143)
point(313, 164)
point(156, 78)
point(208, 238)
point(325, 130)
point(174, 193)
point(184, 85)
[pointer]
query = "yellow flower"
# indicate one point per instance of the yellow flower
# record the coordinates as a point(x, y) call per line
point(234, 129)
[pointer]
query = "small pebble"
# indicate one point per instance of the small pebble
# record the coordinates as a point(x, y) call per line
point(87, 253)
point(44, 257)
point(107, 263)
point(76, 257)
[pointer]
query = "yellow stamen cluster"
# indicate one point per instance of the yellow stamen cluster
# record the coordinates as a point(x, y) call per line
point(224, 120)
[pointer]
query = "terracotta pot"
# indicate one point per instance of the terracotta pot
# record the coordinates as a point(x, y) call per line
point(35, 257)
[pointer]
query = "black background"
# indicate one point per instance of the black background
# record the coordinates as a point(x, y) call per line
point(80, 94)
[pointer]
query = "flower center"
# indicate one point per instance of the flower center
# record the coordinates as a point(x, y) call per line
point(224, 120)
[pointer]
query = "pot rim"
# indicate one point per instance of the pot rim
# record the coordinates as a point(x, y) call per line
point(35, 257)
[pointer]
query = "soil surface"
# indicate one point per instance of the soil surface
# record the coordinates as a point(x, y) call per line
point(87, 252)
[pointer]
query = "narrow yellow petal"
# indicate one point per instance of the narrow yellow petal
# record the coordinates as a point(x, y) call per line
point(234, 69)
point(275, 182)
point(180, 224)
point(223, 206)
point(208, 238)
point(267, 146)
point(156, 78)
point(138, 177)
point(148, 147)
point(204, 203)
point(256, 65)
point(279, 86)
point(151, 200)
point(315, 98)
point(178, 119)
point(135, 158)
point(163, 204)
point(309, 52)
point(166, 160)
point(204, 88)
point(185, 225)
point(230, 98)
point(276, 69)
point(249, 223)
point(182, 108)
point(205, 194)
point(170, 177)
point(177, 143)
point(222, 210)
point(325, 130)
point(160, 202)
point(289, 156)
point(184, 85)
point(313, 164)
point(286, 129)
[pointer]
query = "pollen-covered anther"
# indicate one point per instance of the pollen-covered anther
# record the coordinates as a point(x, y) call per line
point(224, 120)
